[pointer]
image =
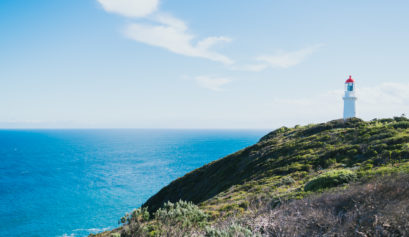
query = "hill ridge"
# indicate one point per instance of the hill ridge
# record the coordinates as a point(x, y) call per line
point(280, 152)
point(285, 165)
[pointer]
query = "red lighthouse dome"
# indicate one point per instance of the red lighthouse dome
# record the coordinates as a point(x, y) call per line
point(350, 80)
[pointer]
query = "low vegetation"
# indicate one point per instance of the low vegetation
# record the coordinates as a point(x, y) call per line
point(329, 179)
point(377, 208)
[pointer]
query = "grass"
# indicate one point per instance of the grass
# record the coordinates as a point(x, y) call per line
point(285, 165)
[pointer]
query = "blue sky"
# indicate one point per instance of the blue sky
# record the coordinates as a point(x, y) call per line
point(199, 64)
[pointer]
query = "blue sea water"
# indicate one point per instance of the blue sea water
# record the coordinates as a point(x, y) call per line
point(76, 182)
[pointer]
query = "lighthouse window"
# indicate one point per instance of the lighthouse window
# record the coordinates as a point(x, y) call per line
point(350, 87)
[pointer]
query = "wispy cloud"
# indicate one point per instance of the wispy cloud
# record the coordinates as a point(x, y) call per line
point(389, 93)
point(212, 83)
point(164, 30)
point(172, 34)
point(383, 100)
point(284, 59)
point(130, 8)
point(168, 32)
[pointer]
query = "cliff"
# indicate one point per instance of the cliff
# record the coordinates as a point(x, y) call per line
point(335, 158)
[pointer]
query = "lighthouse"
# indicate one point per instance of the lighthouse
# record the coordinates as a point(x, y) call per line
point(349, 99)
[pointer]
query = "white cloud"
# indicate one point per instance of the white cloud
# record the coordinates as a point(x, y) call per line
point(172, 34)
point(164, 31)
point(130, 8)
point(387, 93)
point(286, 59)
point(212, 83)
point(208, 42)
point(381, 101)
point(385, 100)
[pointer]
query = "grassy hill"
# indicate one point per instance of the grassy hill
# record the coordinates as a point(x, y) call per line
point(226, 197)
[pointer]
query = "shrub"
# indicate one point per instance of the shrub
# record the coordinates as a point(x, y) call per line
point(401, 124)
point(367, 166)
point(181, 214)
point(377, 208)
point(274, 133)
point(232, 230)
point(287, 180)
point(137, 215)
point(173, 219)
point(386, 120)
point(401, 118)
point(329, 162)
point(398, 140)
point(330, 179)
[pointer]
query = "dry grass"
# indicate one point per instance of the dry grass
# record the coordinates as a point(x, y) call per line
point(377, 208)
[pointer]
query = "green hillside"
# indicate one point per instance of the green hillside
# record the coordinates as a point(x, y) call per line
point(286, 164)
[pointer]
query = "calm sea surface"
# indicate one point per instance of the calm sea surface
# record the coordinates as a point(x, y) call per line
point(76, 182)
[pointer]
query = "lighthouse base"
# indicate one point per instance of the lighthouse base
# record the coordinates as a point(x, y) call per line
point(349, 107)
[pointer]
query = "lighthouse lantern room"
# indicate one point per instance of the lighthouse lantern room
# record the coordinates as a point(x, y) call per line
point(349, 99)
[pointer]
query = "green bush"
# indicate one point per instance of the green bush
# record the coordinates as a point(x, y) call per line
point(329, 162)
point(137, 215)
point(330, 179)
point(402, 124)
point(386, 120)
point(275, 133)
point(286, 180)
point(401, 118)
point(183, 214)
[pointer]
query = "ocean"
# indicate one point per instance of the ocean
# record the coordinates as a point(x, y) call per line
point(77, 182)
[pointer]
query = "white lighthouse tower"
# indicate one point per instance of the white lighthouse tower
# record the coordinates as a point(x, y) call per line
point(349, 99)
